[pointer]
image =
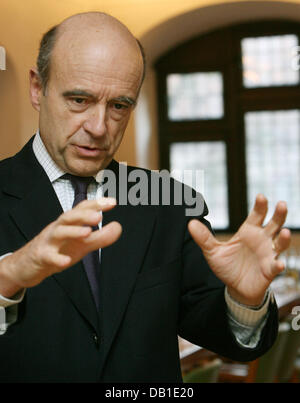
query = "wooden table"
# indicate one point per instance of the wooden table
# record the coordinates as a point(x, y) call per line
point(190, 354)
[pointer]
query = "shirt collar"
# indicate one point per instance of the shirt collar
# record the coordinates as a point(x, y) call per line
point(52, 170)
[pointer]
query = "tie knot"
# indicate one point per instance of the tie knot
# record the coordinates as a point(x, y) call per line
point(80, 183)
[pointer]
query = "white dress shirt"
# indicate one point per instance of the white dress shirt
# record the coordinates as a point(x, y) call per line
point(246, 323)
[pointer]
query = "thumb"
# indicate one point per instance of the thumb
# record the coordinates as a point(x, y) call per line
point(202, 235)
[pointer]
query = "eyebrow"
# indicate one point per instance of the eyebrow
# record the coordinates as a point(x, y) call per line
point(83, 93)
point(125, 99)
point(77, 93)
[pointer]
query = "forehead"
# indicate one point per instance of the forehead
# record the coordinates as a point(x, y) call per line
point(91, 64)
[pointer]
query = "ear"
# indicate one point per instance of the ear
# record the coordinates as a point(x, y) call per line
point(35, 88)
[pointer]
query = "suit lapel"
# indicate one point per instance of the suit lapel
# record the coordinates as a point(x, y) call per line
point(37, 207)
point(121, 263)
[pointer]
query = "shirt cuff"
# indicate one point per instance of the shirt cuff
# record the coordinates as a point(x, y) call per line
point(16, 299)
point(246, 315)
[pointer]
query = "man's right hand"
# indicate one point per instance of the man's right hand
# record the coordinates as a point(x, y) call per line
point(60, 245)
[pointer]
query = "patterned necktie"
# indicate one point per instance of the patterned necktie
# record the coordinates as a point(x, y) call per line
point(91, 260)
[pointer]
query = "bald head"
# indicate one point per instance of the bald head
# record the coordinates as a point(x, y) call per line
point(95, 22)
point(90, 70)
point(75, 33)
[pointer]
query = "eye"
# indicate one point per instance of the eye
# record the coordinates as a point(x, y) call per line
point(79, 101)
point(78, 104)
point(119, 106)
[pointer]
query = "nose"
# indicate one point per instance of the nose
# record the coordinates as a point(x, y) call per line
point(95, 123)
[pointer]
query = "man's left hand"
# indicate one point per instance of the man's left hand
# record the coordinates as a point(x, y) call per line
point(247, 263)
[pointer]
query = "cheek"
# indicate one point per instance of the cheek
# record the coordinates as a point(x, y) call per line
point(73, 124)
point(115, 138)
point(67, 127)
point(117, 128)
point(63, 122)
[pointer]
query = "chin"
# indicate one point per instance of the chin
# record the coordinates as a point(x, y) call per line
point(85, 170)
point(88, 169)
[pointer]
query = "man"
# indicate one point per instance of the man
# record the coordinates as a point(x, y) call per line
point(154, 281)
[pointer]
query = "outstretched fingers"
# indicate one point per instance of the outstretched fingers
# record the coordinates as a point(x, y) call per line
point(282, 241)
point(258, 214)
point(88, 212)
point(71, 236)
point(279, 237)
point(105, 236)
point(277, 220)
point(70, 232)
point(277, 267)
point(201, 235)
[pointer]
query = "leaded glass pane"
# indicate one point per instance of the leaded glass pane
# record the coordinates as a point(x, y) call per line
point(268, 61)
point(195, 96)
point(202, 165)
point(273, 159)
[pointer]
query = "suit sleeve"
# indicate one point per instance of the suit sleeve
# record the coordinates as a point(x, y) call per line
point(204, 312)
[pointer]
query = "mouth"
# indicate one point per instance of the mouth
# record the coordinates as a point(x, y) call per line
point(88, 151)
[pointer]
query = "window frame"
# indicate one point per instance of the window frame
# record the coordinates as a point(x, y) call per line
point(220, 50)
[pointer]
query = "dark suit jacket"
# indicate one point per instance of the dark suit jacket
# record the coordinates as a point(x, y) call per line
point(155, 284)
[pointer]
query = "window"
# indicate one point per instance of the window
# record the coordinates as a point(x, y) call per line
point(267, 61)
point(195, 96)
point(229, 106)
point(273, 159)
point(209, 159)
